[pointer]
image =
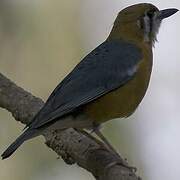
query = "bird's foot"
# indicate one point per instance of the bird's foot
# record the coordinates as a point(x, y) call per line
point(122, 163)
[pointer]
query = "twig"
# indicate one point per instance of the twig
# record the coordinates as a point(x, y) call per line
point(72, 145)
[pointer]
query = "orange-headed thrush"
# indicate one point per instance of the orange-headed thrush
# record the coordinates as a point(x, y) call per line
point(109, 82)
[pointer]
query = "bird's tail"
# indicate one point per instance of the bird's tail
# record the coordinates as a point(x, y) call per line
point(27, 134)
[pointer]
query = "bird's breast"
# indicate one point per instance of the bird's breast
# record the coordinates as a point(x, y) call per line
point(123, 101)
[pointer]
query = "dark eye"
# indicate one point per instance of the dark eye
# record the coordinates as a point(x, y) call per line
point(150, 14)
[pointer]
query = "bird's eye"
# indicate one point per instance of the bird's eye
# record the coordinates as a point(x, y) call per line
point(145, 22)
point(150, 14)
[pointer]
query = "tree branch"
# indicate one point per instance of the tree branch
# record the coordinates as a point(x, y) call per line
point(72, 145)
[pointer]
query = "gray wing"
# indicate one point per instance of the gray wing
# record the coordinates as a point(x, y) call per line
point(106, 68)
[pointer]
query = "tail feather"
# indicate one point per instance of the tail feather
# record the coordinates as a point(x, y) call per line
point(28, 134)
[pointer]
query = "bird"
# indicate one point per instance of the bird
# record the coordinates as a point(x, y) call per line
point(110, 82)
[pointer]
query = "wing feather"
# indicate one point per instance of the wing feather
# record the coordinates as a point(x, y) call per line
point(106, 68)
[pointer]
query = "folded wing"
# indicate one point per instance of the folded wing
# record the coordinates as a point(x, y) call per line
point(106, 68)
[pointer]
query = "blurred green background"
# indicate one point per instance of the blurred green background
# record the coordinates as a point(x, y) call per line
point(42, 40)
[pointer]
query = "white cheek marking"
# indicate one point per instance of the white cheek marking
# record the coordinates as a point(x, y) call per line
point(151, 32)
point(155, 25)
point(147, 28)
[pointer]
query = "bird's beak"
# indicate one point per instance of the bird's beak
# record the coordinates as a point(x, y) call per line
point(166, 13)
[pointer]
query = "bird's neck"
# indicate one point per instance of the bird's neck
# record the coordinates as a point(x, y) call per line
point(129, 34)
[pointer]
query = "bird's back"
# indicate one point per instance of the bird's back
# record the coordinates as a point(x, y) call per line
point(122, 102)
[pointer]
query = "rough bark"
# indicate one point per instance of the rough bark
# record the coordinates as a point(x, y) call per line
point(72, 145)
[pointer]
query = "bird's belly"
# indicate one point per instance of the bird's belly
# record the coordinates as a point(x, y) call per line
point(123, 101)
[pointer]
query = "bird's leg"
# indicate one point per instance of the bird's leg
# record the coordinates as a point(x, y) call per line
point(97, 131)
point(124, 163)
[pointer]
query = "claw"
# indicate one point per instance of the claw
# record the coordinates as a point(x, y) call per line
point(132, 169)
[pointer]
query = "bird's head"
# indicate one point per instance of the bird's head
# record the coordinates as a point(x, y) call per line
point(140, 22)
